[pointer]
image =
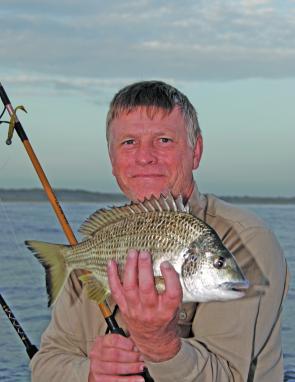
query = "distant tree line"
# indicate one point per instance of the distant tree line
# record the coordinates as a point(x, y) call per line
point(66, 195)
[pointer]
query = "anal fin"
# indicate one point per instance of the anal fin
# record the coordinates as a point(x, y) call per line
point(95, 290)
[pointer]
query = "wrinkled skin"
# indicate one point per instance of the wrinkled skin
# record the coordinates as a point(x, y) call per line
point(151, 318)
point(149, 157)
point(112, 355)
point(153, 156)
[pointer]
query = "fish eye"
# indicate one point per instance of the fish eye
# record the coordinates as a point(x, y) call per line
point(219, 262)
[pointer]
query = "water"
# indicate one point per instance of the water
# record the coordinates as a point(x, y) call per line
point(22, 277)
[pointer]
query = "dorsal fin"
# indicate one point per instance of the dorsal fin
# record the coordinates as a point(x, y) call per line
point(103, 217)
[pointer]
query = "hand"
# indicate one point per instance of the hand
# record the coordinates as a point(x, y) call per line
point(111, 357)
point(151, 317)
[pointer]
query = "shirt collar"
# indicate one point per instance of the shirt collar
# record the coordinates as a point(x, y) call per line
point(197, 203)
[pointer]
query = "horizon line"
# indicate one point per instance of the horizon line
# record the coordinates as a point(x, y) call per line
point(114, 193)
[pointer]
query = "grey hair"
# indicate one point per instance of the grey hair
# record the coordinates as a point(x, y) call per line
point(154, 95)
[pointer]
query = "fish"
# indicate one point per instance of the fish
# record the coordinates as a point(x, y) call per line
point(207, 270)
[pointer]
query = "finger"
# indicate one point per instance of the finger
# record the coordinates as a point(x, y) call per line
point(146, 282)
point(118, 355)
point(116, 378)
point(119, 341)
point(173, 290)
point(116, 368)
point(111, 341)
point(116, 286)
point(130, 279)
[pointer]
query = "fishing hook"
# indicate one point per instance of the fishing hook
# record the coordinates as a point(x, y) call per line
point(12, 122)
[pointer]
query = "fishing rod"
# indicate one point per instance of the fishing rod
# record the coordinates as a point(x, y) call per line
point(30, 348)
point(15, 125)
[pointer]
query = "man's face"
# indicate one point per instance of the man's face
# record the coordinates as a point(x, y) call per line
point(152, 156)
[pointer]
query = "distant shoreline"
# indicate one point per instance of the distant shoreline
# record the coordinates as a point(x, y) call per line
point(63, 195)
point(67, 195)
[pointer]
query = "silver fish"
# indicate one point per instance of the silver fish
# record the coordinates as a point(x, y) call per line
point(164, 227)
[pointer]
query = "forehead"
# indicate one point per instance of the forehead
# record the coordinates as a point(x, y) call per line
point(142, 118)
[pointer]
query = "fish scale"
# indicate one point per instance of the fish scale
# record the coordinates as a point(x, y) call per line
point(115, 241)
point(166, 229)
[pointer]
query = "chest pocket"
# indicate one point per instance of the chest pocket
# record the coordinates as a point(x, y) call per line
point(186, 315)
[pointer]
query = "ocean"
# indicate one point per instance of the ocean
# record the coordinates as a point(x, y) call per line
point(22, 277)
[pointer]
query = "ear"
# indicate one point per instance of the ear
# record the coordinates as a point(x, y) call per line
point(198, 150)
point(113, 171)
point(111, 158)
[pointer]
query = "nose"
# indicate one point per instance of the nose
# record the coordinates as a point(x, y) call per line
point(146, 154)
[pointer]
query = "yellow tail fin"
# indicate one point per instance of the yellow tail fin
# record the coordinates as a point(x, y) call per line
point(52, 259)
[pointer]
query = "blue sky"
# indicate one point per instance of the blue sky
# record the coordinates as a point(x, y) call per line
point(235, 59)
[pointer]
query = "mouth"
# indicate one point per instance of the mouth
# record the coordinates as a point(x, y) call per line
point(147, 176)
point(236, 286)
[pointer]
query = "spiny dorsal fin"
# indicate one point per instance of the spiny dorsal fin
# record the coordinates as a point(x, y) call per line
point(104, 216)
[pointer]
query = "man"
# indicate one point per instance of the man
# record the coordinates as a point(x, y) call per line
point(155, 143)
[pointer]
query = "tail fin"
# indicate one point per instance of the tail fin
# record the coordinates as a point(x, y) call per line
point(52, 258)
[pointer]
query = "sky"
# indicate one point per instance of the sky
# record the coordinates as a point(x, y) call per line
point(235, 60)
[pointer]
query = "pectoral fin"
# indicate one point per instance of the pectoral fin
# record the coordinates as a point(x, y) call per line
point(95, 290)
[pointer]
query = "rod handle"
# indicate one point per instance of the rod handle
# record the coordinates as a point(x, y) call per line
point(31, 351)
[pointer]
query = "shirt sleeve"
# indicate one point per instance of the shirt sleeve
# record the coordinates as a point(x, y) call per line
point(237, 340)
point(66, 341)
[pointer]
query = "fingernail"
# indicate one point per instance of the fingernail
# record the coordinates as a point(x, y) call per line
point(144, 255)
point(141, 368)
point(110, 263)
point(141, 357)
point(132, 253)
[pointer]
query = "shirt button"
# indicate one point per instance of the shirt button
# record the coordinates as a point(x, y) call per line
point(182, 315)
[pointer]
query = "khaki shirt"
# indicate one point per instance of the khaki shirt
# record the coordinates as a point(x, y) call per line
point(238, 340)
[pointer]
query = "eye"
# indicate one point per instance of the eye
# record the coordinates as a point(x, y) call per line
point(219, 262)
point(128, 142)
point(165, 140)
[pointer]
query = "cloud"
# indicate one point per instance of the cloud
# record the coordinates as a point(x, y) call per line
point(77, 44)
point(100, 90)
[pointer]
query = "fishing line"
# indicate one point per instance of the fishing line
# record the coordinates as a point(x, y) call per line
point(16, 125)
point(10, 224)
point(2, 165)
point(5, 162)
point(1, 115)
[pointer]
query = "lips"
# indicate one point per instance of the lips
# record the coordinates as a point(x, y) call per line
point(147, 176)
point(237, 286)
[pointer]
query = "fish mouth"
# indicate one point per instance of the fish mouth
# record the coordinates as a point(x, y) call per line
point(235, 286)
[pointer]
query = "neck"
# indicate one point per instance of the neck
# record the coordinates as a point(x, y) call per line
point(187, 194)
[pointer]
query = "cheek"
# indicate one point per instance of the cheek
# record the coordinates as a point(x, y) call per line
point(181, 168)
point(120, 165)
point(172, 160)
